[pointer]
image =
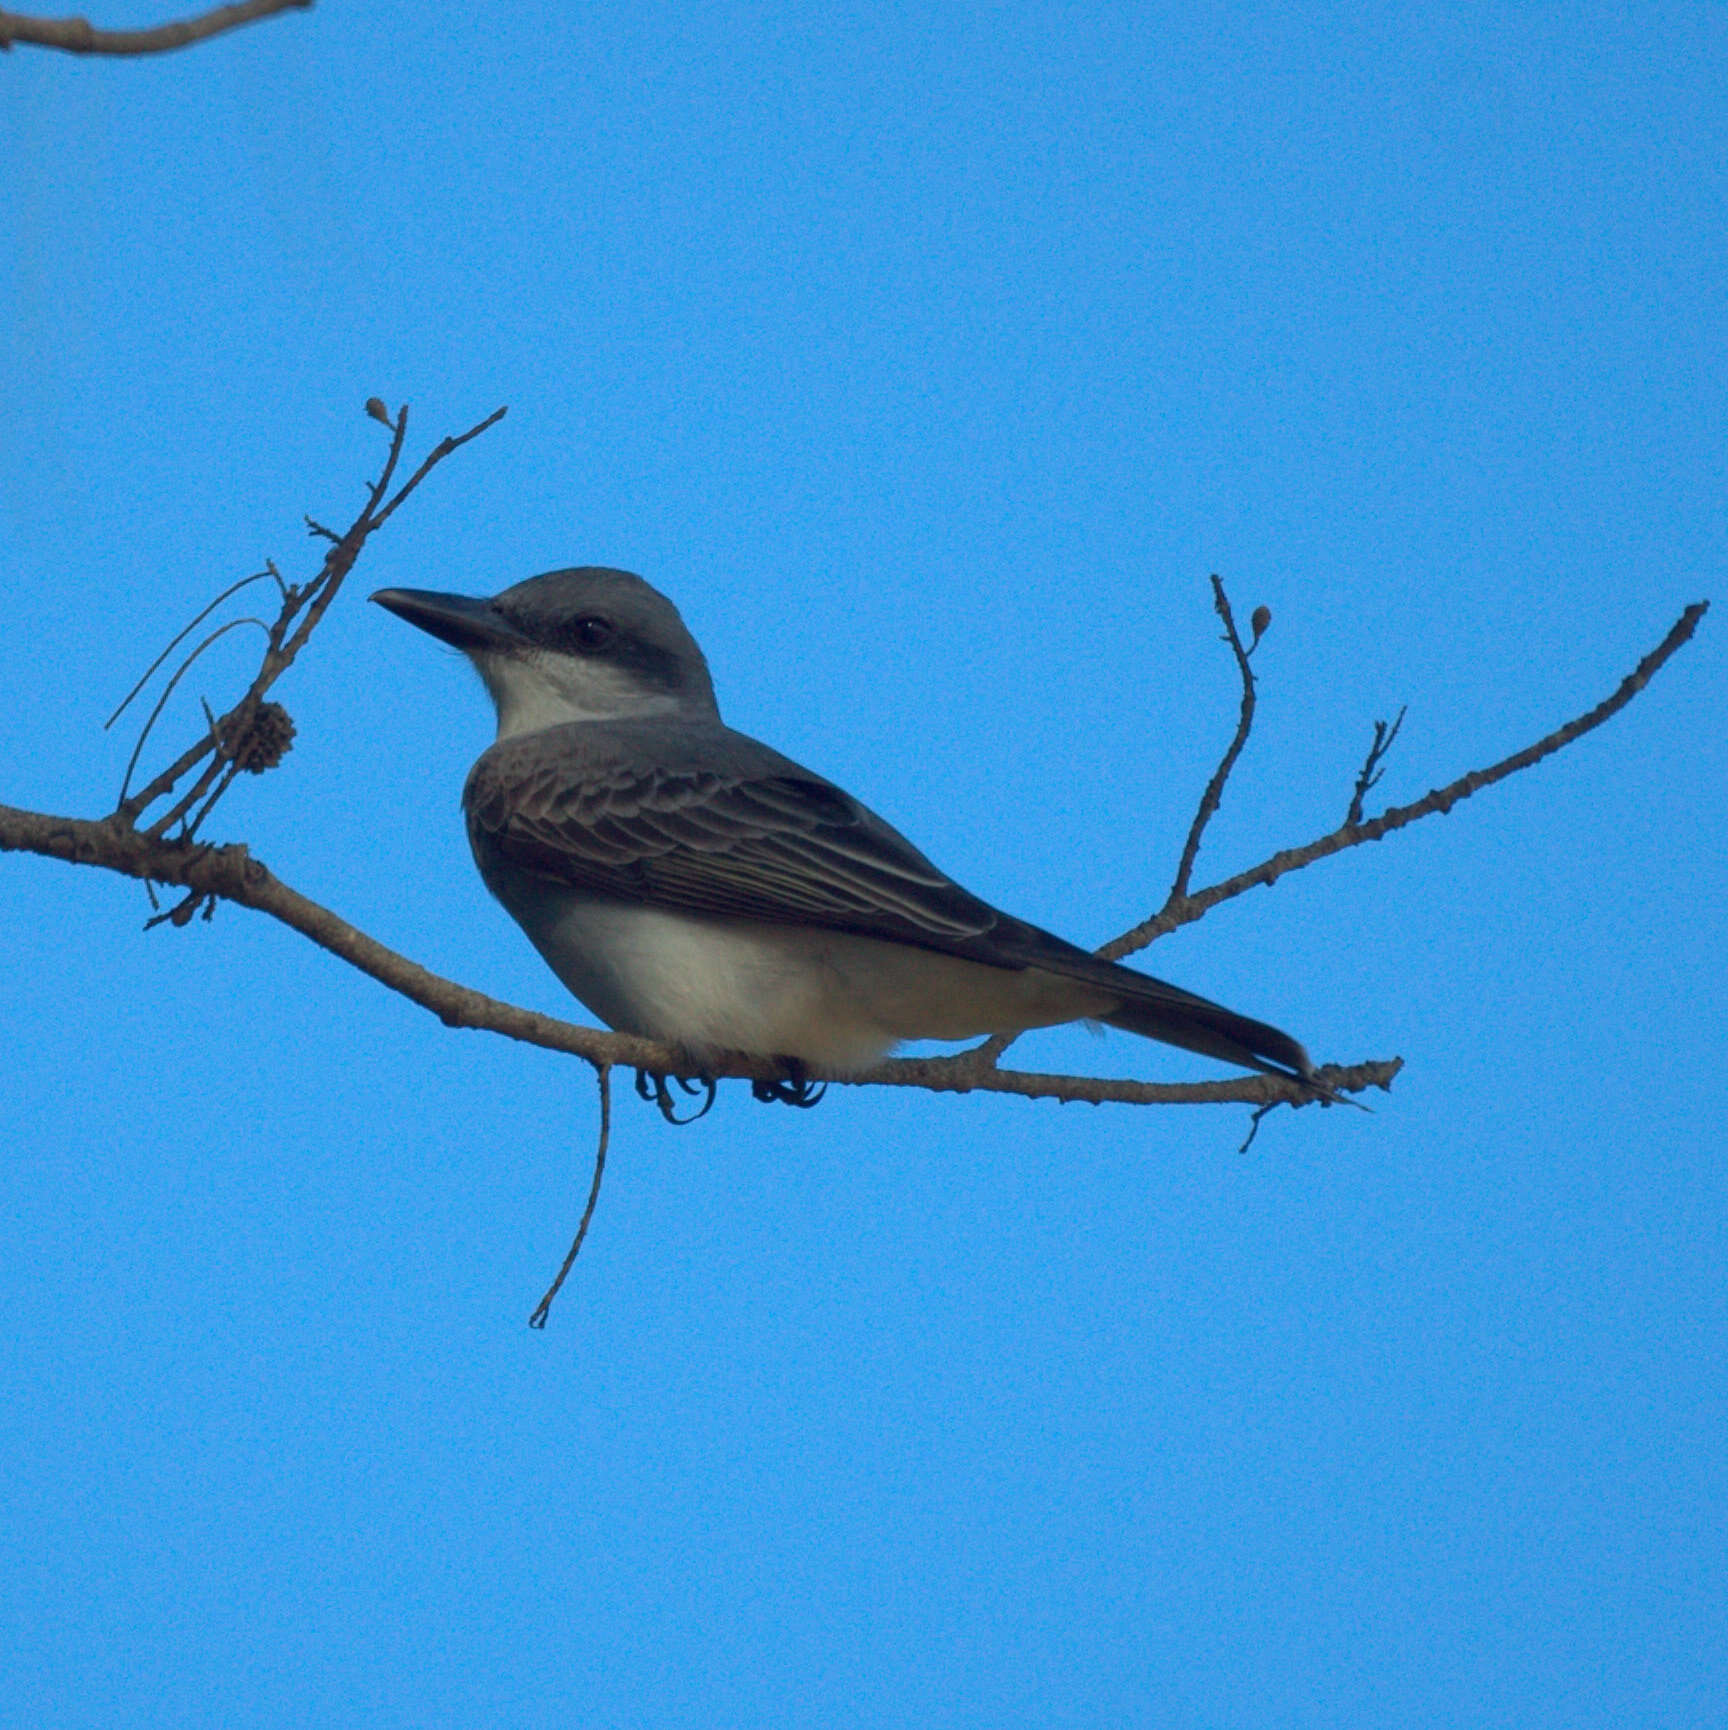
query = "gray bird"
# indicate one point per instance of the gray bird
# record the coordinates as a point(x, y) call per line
point(692, 886)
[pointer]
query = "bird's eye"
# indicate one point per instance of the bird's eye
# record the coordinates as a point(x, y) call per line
point(591, 632)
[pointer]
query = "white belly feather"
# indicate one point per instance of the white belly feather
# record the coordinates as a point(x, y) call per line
point(832, 1000)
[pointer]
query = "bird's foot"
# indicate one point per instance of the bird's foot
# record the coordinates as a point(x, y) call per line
point(658, 1088)
point(793, 1088)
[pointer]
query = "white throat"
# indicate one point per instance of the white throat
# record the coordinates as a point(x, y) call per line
point(534, 691)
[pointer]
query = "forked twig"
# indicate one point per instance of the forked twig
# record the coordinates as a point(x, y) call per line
point(1196, 905)
point(1373, 766)
point(298, 616)
point(544, 1307)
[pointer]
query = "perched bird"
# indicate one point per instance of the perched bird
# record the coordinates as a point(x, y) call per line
point(692, 886)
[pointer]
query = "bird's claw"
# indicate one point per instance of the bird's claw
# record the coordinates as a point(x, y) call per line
point(658, 1088)
point(793, 1088)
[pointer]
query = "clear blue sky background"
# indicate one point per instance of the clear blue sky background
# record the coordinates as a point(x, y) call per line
point(931, 357)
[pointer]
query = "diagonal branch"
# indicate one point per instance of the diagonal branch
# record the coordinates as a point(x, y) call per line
point(80, 36)
point(1176, 914)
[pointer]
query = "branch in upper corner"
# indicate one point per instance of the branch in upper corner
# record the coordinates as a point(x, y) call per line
point(1214, 794)
point(80, 36)
point(1191, 907)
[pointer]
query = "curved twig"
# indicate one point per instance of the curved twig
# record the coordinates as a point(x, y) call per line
point(168, 691)
point(181, 636)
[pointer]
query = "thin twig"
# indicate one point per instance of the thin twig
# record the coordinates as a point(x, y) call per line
point(992, 1048)
point(194, 823)
point(1254, 1124)
point(398, 437)
point(1373, 766)
point(79, 36)
point(1214, 794)
point(180, 914)
point(1191, 907)
point(986, 1054)
point(544, 1307)
point(438, 455)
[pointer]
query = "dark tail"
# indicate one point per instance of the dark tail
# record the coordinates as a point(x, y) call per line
point(1177, 1017)
point(1154, 1010)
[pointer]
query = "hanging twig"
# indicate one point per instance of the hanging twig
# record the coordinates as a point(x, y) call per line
point(544, 1307)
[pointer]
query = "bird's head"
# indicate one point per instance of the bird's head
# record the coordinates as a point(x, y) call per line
point(588, 644)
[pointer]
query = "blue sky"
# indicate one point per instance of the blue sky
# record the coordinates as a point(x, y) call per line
point(931, 358)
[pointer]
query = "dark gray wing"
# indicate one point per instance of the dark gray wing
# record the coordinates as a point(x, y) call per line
point(707, 821)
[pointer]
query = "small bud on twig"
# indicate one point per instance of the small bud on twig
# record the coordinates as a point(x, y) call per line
point(1258, 620)
point(375, 407)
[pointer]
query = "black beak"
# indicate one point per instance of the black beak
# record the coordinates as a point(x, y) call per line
point(470, 624)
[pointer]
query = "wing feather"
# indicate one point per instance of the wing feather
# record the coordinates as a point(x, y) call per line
point(755, 837)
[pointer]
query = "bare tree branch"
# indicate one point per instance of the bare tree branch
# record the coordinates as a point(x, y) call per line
point(1176, 914)
point(79, 36)
point(232, 874)
point(298, 616)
